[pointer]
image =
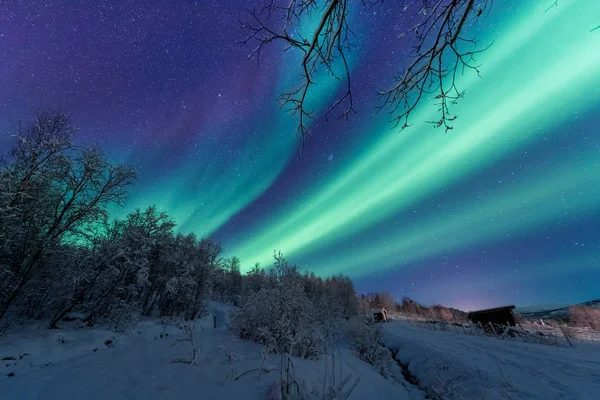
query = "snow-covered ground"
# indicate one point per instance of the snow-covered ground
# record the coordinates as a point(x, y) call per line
point(99, 364)
point(78, 364)
point(472, 367)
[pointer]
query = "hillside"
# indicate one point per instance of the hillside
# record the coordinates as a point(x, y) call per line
point(139, 364)
point(458, 366)
point(551, 313)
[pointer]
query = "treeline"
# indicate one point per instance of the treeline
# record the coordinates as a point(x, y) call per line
point(59, 252)
point(61, 256)
point(410, 307)
point(51, 194)
point(580, 316)
point(290, 312)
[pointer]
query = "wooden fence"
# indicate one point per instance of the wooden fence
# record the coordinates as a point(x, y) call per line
point(555, 335)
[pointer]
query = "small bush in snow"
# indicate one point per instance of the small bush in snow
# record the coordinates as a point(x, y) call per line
point(585, 317)
point(281, 316)
point(365, 338)
point(189, 335)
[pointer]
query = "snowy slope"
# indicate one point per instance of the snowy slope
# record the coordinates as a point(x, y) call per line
point(82, 364)
point(138, 365)
point(472, 367)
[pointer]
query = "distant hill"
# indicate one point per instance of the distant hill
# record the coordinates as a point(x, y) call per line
point(552, 311)
point(539, 308)
point(593, 303)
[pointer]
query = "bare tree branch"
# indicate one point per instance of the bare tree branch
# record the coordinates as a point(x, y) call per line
point(440, 51)
point(555, 4)
point(328, 43)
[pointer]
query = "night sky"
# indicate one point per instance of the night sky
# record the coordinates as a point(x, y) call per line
point(505, 208)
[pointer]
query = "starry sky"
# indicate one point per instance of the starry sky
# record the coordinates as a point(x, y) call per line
point(505, 208)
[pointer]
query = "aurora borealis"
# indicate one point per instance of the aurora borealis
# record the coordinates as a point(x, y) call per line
point(505, 208)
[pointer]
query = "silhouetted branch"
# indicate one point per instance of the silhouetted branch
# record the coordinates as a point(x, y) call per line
point(555, 4)
point(440, 50)
point(328, 42)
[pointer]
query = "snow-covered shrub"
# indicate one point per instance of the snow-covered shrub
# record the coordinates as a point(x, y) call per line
point(254, 280)
point(122, 314)
point(10, 319)
point(280, 319)
point(228, 281)
point(334, 297)
point(189, 335)
point(230, 355)
point(281, 316)
point(365, 337)
point(584, 316)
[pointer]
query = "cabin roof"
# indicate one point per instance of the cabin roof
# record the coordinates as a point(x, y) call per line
point(492, 310)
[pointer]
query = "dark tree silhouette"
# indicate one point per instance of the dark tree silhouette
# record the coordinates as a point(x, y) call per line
point(440, 50)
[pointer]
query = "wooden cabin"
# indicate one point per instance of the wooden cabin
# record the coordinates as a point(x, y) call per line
point(496, 316)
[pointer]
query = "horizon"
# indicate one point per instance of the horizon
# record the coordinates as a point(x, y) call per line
point(502, 209)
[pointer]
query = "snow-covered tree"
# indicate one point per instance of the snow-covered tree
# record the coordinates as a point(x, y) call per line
point(292, 312)
point(280, 314)
point(51, 191)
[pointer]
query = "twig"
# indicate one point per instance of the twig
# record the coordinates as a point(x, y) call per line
point(555, 4)
point(439, 51)
point(566, 336)
point(265, 370)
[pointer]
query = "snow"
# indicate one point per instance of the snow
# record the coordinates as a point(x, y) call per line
point(474, 367)
point(138, 364)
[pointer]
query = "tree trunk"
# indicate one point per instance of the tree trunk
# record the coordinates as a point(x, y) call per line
point(6, 303)
point(149, 308)
point(58, 317)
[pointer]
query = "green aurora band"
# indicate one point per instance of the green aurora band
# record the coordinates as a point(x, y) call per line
point(223, 188)
point(536, 77)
